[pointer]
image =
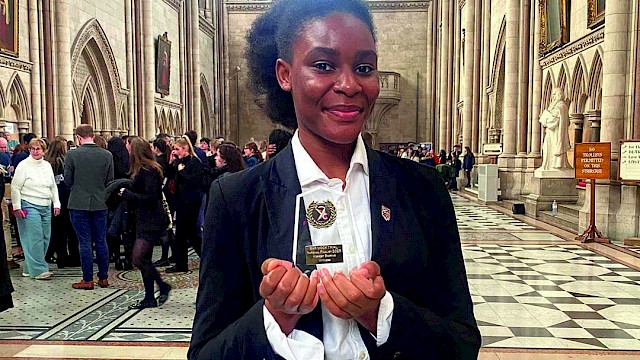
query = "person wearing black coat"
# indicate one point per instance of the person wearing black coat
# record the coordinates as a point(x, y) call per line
point(468, 161)
point(145, 200)
point(6, 288)
point(189, 189)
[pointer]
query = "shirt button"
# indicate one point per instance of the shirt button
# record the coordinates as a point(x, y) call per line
point(362, 355)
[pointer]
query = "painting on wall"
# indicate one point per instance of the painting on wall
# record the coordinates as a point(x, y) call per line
point(163, 65)
point(9, 27)
point(554, 31)
point(595, 13)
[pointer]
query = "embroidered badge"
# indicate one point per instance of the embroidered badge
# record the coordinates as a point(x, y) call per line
point(321, 215)
point(386, 213)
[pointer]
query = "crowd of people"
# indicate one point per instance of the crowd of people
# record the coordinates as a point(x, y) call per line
point(91, 200)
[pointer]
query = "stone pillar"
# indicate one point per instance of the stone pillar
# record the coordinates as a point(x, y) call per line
point(194, 56)
point(523, 101)
point(578, 121)
point(182, 35)
point(477, 68)
point(443, 116)
point(34, 54)
point(128, 24)
point(451, 103)
point(614, 73)
point(454, 134)
point(66, 121)
point(537, 87)
point(510, 113)
point(429, 121)
point(594, 119)
point(469, 67)
point(149, 85)
point(486, 71)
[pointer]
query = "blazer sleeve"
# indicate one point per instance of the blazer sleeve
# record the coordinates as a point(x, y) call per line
point(68, 170)
point(448, 329)
point(229, 321)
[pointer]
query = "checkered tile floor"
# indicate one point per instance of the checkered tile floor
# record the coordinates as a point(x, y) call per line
point(553, 296)
point(473, 216)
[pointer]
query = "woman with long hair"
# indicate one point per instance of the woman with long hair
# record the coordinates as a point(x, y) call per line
point(64, 241)
point(189, 173)
point(252, 155)
point(145, 199)
point(161, 151)
point(228, 160)
point(118, 150)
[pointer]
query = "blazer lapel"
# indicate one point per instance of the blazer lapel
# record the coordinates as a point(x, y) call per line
point(281, 186)
point(384, 208)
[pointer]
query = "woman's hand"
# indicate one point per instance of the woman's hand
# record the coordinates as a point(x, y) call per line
point(19, 213)
point(355, 297)
point(56, 211)
point(288, 293)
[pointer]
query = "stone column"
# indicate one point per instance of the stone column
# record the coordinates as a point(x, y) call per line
point(523, 99)
point(443, 117)
point(614, 73)
point(578, 121)
point(469, 67)
point(511, 89)
point(537, 86)
point(182, 35)
point(453, 107)
point(458, 37)
point(477, 68)
point(66, 121)
point(128, 23)
point(486, 71)
point(429, 78)
point(149, 85)
point(594, 119)
point(34, 54)
point(194, 56)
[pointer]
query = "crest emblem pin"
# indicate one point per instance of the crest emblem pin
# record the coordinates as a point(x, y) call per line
point(321, 215)
point(386, 213)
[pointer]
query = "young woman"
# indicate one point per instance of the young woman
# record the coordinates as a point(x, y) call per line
point(399, 290)
point(228, 160)
point(145, 198)
point(33, 194)
point(189, 172)
point(161, 151)
point(252, 155)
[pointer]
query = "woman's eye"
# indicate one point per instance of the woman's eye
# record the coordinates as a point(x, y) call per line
point(364, 69)
point(322, 66)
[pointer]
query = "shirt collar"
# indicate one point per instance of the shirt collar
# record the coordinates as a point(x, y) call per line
point(309, 172)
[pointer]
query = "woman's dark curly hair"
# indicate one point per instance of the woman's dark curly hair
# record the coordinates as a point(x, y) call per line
point(271, 38)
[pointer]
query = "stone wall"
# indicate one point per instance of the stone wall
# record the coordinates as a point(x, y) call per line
point(167, 19)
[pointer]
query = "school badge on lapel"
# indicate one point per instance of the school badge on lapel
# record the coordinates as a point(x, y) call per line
point(321, 215)
point(386, 213)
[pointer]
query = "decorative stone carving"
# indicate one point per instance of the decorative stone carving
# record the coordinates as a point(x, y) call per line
point(175, 4)
point(573, 48)
point(388, 98)
point(15, 64)
point(261, 6)
point(555, 120)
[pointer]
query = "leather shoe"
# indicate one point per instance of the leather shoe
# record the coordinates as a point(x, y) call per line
point(12, 264)
point(144, 304)
point(175, 269)
point(103, 283)
point(50, 259)
point(161, 262)
point(164, 294)
point(83, 285)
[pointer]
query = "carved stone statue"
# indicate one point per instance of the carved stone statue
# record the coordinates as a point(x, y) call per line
point(555, 120)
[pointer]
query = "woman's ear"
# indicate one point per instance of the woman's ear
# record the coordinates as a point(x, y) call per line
point(283, 73)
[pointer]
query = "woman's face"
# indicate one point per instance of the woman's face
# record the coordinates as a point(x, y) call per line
point(180, 151)
point(333, 78)
point(36, 152)
point(247, 151)
point(219, 160)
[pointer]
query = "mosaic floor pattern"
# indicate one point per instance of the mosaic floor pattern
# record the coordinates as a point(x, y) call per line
point(531, 289)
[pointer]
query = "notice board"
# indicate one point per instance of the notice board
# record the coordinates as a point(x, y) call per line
point(593, 160)
point(629, 169)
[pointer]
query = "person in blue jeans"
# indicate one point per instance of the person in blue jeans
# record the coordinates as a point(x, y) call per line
point(33, 192)
point(87, 171)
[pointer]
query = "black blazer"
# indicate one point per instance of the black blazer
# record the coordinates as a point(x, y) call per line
point(250, 218)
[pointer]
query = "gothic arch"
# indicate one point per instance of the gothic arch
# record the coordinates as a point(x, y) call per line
point(498, 58)
point(123, 123)
point(92, 58)
point(3, 100)
point(17, 99)
point(578, 95)
point(206, 107)
point(594, 85)
point(546, 90)
point(563, 78)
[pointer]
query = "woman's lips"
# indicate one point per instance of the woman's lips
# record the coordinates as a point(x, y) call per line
point(346, 112)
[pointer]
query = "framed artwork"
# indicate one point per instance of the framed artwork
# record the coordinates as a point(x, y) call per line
point(554, 31)
point(163, 65)
point(9, 27)
point(595, 13)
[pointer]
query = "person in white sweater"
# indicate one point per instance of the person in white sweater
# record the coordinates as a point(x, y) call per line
point(33, 192)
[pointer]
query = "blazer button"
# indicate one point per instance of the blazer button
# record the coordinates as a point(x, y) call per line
point(397, 355)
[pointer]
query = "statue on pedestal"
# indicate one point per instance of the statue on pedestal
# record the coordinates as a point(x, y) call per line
point(555, 120)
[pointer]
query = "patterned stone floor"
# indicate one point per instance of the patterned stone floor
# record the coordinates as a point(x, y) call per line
point(531, 290)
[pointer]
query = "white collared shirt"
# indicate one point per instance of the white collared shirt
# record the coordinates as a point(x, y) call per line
point(341, 338)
